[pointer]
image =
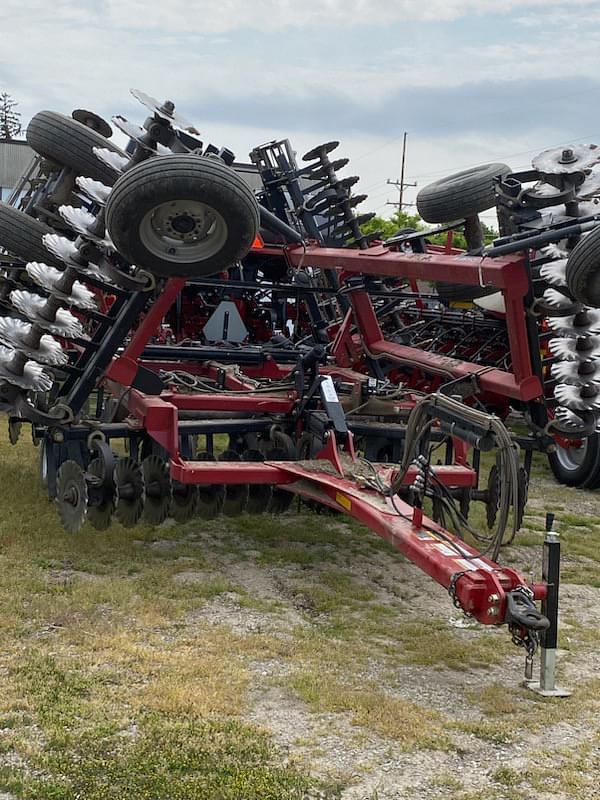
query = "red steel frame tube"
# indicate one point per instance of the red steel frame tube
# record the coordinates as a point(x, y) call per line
point(508, 275)
point(124, 368)
point(480, 585)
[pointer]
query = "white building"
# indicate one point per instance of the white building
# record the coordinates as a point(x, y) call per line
point(15, 156)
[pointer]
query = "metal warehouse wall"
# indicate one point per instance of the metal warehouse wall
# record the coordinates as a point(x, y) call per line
point(14, 159)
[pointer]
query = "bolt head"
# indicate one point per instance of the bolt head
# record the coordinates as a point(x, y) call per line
point(567, 157)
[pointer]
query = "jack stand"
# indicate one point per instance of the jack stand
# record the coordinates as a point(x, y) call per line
point(546, 687)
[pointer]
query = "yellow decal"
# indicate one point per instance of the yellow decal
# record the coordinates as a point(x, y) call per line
point(344, 501)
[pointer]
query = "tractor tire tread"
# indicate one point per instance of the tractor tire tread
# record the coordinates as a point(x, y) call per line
point(70, 144)
point(583, 270)
point(173, 176)
point(460, 195)
point(21, 235)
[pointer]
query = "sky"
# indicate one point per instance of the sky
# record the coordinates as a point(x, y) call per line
point(470, 81)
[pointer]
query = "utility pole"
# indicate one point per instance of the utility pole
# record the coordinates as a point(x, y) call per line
point(401, 184)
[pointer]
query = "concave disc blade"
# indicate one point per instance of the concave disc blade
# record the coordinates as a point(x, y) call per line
point(129, 483)
point(159, 491)
point(71, 496)
point(210, 495)
point(100, 512)
point(236, 494)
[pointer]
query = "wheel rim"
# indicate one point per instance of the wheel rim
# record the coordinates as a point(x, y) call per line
point(571, 458)
point(183, 231)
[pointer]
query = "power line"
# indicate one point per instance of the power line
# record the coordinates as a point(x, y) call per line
point(506, 158)
point(372, 186)
point(491, 114)
point(401, 184)
point(378, 148)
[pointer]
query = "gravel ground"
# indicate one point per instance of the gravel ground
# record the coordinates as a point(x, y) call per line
point(307, 627)
point(371, 765)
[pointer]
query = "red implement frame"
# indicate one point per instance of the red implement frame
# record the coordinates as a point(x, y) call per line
point(508, 275)
point(478, 584)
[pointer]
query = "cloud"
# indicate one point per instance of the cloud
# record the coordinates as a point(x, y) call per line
point(471, 80)
point(435, 111)
point(206, 17)
point(200, 16)
point(568, 19)
point(91, 53)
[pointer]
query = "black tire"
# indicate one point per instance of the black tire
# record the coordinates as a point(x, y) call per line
point(69, 143)
point(460, 195)
point(578, 466)
point(583, 270)
point(152, 206)
point(21, 235)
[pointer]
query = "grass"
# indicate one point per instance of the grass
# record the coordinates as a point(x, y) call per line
point(129, 670)
point(411, 725)
point(108, 692)
point(162, 758)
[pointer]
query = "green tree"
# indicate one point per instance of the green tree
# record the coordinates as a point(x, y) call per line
point(388, 227)
point(10, 119)
point(400, 220)
point(458, 239)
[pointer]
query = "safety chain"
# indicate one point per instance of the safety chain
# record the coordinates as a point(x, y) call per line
point(452, 592)
point(530, 641)
point(525, 637)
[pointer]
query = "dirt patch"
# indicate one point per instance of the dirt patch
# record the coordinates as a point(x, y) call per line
point(331, 745)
